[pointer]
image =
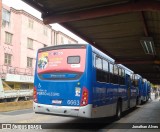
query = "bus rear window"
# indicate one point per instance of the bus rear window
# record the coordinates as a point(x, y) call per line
point(61, 60)
point(73, 59)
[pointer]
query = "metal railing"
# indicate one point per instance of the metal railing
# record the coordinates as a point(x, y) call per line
point(15, 70)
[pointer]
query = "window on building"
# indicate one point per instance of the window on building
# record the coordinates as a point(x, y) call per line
point(29, 43)
point(62, 40)
point(45, 31)
point(24, 86)
point(44, 45)
point(8, 38)
point(30, 23)
point(29, 62)
point(11, 85)
point(5, 17)
point(7, 59)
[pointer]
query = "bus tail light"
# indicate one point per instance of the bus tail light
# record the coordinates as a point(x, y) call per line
point(35, 94)
point(84, 99)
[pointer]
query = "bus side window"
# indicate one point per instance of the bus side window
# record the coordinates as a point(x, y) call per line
point(120, 76)
point(99, 72)
point(111, 68)
point(115, 71)
point(123, 77)
point(98, 63)
point(111, 72)
point(123, 72)
point(120, 72)
point(133, 80)
point(105, 65)
point(136, 80)
point(106, 71)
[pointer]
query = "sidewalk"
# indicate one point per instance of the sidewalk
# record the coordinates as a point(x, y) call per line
point(146, 113)
point(153, 96)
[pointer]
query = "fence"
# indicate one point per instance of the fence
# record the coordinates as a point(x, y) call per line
point(15, 70)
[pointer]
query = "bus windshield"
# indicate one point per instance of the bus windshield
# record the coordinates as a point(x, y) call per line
point(61, 60)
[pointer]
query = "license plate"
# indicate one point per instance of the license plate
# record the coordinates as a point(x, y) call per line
point(56, 101)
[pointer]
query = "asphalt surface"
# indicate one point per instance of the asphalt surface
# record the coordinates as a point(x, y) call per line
point(147, 113)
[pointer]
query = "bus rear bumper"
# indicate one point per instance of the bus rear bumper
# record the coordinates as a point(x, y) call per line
point(84, 111)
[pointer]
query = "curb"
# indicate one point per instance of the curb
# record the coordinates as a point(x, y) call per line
point(11, 106)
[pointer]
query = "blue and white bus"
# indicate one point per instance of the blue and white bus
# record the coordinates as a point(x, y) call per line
point(144, 89)
point(138, 82)
point(79, 80)
point(148, 90)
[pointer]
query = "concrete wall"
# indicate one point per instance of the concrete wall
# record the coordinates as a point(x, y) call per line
point(66, 39)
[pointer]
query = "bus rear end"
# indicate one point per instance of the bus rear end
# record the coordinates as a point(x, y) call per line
point(60, 85)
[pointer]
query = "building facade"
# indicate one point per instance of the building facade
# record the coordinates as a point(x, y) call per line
point(21, 36)
point(62, 38)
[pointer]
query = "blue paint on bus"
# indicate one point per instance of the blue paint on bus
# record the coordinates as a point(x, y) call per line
point(144, 90)
point(100, 86)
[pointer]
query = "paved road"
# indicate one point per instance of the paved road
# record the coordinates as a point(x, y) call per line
point(147, 113)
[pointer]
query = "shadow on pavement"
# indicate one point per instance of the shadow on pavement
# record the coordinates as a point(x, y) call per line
point(90, 124)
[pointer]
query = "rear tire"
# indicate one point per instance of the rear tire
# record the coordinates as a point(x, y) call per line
point(119, 110)
point(142, 102)
point(137, 101)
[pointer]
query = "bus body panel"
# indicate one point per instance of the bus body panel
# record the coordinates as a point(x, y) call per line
point(59, 93)
point(84, 111)
point(144, 90)
point(57, 96)
point(105, 95)
point(64, 96)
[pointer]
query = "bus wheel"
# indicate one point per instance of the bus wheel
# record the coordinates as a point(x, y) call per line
point(137, 101)
point(119, 110)
point(142, 102)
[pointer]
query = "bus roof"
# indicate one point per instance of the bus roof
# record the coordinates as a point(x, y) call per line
point(65, 46)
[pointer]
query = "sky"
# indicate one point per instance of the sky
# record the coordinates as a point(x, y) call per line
point(18, 4)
